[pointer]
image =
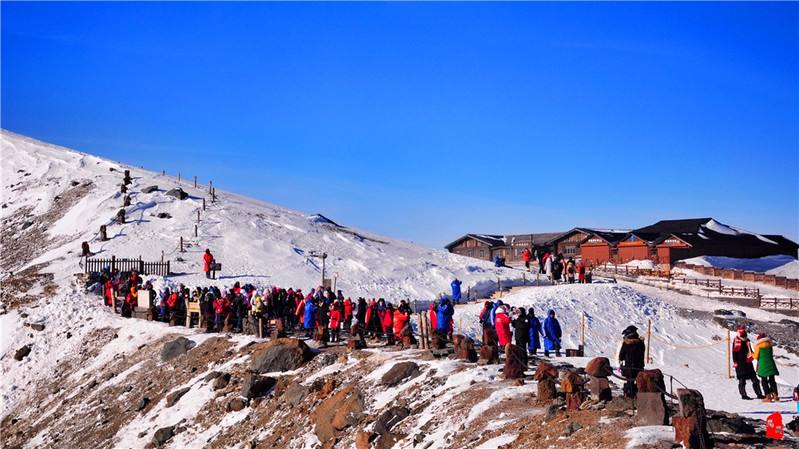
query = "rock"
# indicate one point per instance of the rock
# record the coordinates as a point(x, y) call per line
point(150, 189)
point(547, 391)
point(399, 373)
point(164, 215)
point(690, 424)
point(175, 348)
point(571, 382)
point(255, 385)
point(620, 404)
point(551, 411)
point(464, 348)
point(174, 397)
point(571, 428)
point(599, 367)
point(178, 193)
point(211, 376)
point(163, 435)
point(295, 393)
point(37, 327)
point(336, 413)
point(143, 404)
point(650, 381)
point(283, 354)
point(389, 418)
point(489, 354)
point(221, 381)
point(515, 362)
point(545, 370)
point(236, 404)
point(22, 352)
point(363, 439)
point(650, 409)
point(720, 422)
point(599, 387)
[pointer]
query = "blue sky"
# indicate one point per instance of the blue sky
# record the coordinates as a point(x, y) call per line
point(425, 121)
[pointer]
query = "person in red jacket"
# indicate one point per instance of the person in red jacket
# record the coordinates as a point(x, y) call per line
point(219, 313)
point(387, 320)
point(581, 272)
point(335, 321)
point(109, 293)
point(432, 315)
point(400, 319)
point(347, 314)
point(526, 256)
point(208, 259)
point(502, 324)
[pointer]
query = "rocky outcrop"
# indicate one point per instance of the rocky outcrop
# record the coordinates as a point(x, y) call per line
point(254, 385)
point(283, 354)
point(176, 348)
point(399, 373)
point(336, 413)
point(174, 397)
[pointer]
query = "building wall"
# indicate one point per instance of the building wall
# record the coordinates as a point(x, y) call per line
point(570, 246)
point(473, 248)
point(595, 253)
point(633, 251)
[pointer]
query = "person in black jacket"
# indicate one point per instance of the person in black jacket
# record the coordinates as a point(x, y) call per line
point(631, 359)
point(521, 329)
point(742, 361)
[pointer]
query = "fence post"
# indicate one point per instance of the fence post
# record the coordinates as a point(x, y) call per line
point(168, 271)
point(195, 181)
point(729, 373)
point(203, 203)
point(113, 263)
point(195, 230)
point(181, 243)
point(649, 341)
point(210, 186)
point(524, 278)
point(178, 177)
point(198, 215)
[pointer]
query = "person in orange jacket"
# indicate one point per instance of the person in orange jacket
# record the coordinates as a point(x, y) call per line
point(400, 319)
point(208, 259)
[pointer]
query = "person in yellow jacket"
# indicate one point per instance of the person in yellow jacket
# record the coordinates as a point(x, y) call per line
point(766, 367)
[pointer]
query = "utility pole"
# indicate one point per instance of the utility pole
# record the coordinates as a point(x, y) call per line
point(322, 256)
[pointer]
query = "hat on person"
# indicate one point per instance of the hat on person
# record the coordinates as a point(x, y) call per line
point(629, 330)
point(741, 327)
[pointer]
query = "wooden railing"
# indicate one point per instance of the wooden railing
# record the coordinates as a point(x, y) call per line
point(779, 303)
point(128, 265)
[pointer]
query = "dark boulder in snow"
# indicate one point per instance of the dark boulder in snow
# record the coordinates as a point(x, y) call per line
point(221, 381)
point(283, 354)
point(390, 418)
point(150, 189)
point(236, 405)
point(174, 397)
point(295, 393)
point(178, 193)
point(211, 376)
point(255, 385)
point(175, 348)
point(336, 413)
point(399, 373)
point(145, 401)
point(163, 435)
point(164, 215)
point(22, 352)
point(37, 326)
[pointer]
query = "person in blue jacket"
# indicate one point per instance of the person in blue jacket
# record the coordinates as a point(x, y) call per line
point(444, 313)
point(456, 291)
point(497, 305)
point(552, 334)
point(308, 319)
point(534, 344)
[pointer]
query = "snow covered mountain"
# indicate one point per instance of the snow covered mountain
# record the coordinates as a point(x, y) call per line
point(54, 198)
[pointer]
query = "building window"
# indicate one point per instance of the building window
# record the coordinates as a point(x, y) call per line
point(470, 253)
point(482, 253)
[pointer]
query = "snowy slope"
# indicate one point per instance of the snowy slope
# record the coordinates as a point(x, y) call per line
point(255, 241)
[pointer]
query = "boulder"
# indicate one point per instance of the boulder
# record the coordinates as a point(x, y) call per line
point(545, 370)
point(37, 326)
point(174, 397)
point(22, 352)
point(650, 381)
point(571, 382)
point(143, 404)
point(336, 413)
point(221, 381)
point(389, 418)
point(211, 376)
point(599, 387)
point(599, 367)
point(489, 354)
point(363, 439)
point(163, 435)
point(464, 348)
point(399, 373)
point(547, 391)
point(295, 393)
point(255, 385)
point(178, 193)
point(515, 361)
point(176, 348)
point(283, 354)
point(721, 422)
point(150, 189)
point(690, 427)
point(650, 409)
point(236, 404)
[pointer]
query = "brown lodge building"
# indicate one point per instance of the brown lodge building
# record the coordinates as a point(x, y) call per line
point(664, 242)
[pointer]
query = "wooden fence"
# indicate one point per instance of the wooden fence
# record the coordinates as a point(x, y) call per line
point(143, 267)
point(779, 303)
point(740, 275)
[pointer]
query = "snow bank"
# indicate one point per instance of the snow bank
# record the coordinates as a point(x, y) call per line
point(769, 264)
point(648, 435)
point(644, 264)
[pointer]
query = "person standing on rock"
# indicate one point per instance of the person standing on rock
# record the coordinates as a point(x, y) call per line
point(502, 326)
point(552, 334)
point(535, 332)
point(631, 359)
point(766, 367)
point(742, 361)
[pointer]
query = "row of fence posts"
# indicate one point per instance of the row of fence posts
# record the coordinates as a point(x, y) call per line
point(728, 349)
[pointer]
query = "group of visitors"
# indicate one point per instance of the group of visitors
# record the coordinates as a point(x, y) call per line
point(744, 355)
point(505, 324)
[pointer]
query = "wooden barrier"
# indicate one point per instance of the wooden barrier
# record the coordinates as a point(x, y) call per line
point(143, 267)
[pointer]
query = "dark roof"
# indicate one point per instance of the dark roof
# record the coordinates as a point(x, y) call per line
point(541, 238)
point(488, 239)
point(608, 235)
point(669, 226)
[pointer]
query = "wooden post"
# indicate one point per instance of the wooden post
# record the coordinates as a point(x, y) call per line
point(729, 372)
point(210, 186)
point(168, 271)
point(162, 256)
point(163, 172)
point(195, 230)
point(499, 287)
point(113, 262)
point(213, 195)
point(582, 329)
point(648, 342)
point(203, 203)
point(198, 215)
point(181, 243)
point(524, 278)
point(195, 181)
point(178, 178)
